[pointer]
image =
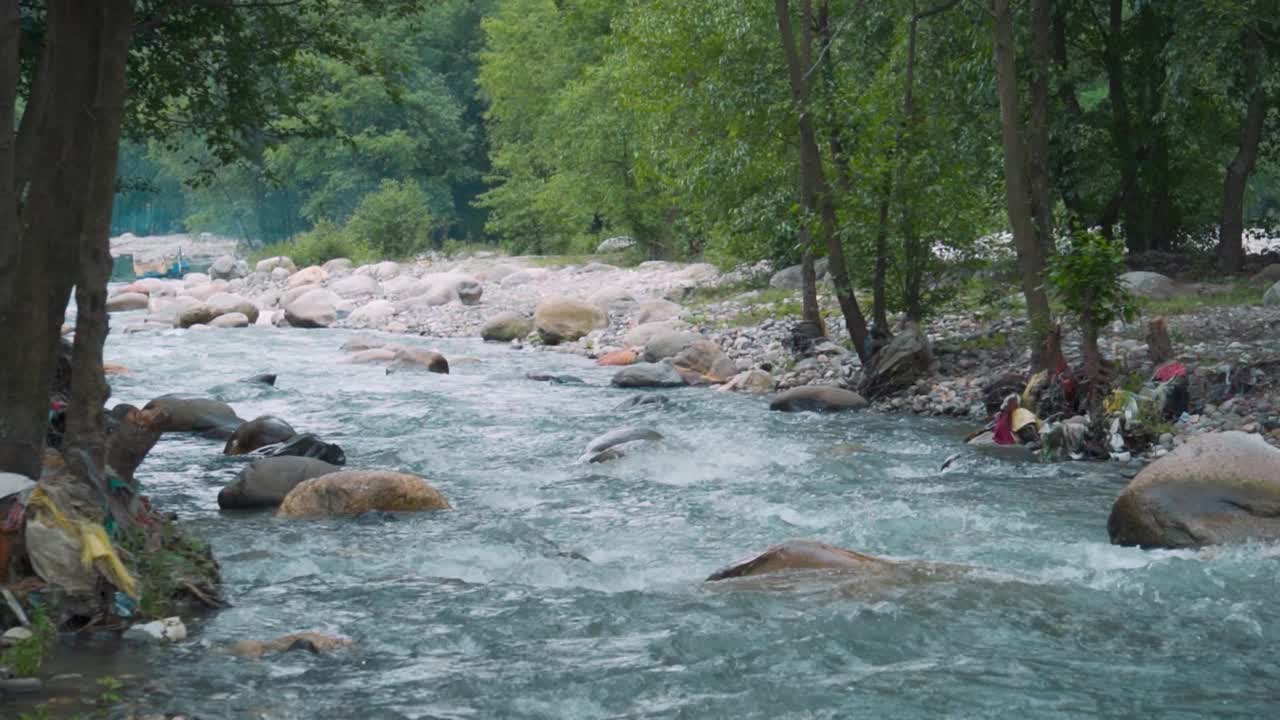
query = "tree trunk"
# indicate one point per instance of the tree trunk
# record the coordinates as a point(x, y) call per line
point(878, 309)
point(1121, 134)
point(814, 191)
point(1038, 179)
point(1231, 228)
point(912, 272)
point(39, 264)
point(808, 281)
point(1159, 347)
point(1092, 362)
point(100, 132)
point(1017, 195)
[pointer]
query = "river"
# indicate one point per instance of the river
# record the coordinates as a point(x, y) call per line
point(486, 612)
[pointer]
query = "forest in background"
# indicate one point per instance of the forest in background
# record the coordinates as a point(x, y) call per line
point(545, 126)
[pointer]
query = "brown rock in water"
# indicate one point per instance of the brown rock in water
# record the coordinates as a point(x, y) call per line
point(780, 566)
point(310, 641)
point(617, 358)
point(817, 398)
point(562, 319)
point(1215, 489)
point(407, 358)
point(372, 355)
point(354, 492)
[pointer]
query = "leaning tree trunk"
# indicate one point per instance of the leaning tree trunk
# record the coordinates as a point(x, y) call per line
point(1017, 196)
point(1231, 228)
point(809, 311)
point(814, 190)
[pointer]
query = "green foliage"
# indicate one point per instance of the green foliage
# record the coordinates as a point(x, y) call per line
point(26, 657)
point(1086, 278)
point(317, 246)
point(1238, 294)
point(392, 221)
point(166, 574)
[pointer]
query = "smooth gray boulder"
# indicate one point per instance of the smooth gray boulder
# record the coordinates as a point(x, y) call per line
point(506, 326)
point(1215, 489)
point(817, 398)
point(648, 375)
point(265, 483)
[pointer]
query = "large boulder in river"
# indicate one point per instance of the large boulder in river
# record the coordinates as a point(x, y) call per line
point(279, 261)
point(612, 299)
point(125, 302)
point(266, 482)
point(639, 336)
point(562, 319)
point(376, 314)
point(643, 375)
point(187, 413)
point(314, 275)
point(228, 268)
point(818, 398)
point(337, 266)
point(791, 278)
point(1215, 489)
point(899, 364)
point(652, 311)
point(224, 303)
point(506, 326)
point(354, 492)
point(256, 433)
point(706, 360)
point(313, 310)
point(198, 314)
point(230, 320)
point(354, 286)
point(1151, 285)
point(668, 344)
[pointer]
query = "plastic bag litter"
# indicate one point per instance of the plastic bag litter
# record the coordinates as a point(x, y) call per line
point(70, 554)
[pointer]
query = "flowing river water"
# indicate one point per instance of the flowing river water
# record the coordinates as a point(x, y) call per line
point(560, 590)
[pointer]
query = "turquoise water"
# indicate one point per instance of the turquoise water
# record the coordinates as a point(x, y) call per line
point(484, 612)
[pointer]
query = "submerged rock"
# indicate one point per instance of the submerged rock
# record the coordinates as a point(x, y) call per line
point(641, 401)
point(818, 398)
point(773, 568)
point(312, 642)
point(353, 492)
point(1214, 489)
point(613, 445)
point(408, 359)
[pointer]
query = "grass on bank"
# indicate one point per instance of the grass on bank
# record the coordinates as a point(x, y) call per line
point(1236, 294)
point(26, 657)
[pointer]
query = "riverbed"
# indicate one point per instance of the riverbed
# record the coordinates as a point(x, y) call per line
point(560, 590)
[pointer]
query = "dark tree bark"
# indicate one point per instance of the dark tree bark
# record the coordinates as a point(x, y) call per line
point(100, 123)
point(1038, 178)
point(814, 191)
point(1231, 227)
point(1031, 262)
point(64, 166)
point(878, 299)
point(809, 311)
point(1159, 347)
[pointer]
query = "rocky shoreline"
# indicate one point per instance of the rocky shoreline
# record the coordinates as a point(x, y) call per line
point(748, 314)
